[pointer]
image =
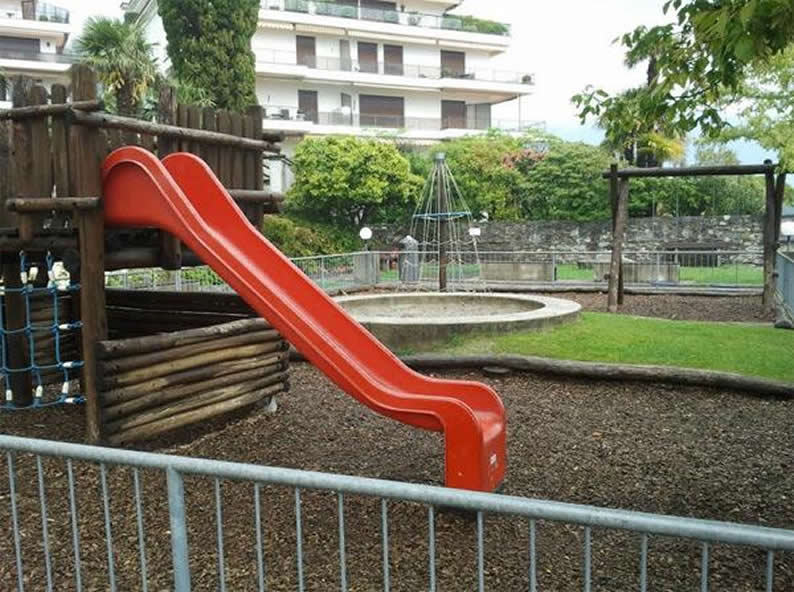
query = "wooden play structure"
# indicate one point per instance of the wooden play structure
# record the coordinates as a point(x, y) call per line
point(619, 180)
point(148, 362)
point(189, 182)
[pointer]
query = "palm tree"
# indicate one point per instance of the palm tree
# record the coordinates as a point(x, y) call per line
point(123, 59)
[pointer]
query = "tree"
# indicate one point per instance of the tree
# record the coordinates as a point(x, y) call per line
point(767, 107)
point(700, 59)
point(123, 59)
point(349, 182)
point(567, 184)
point(488, 172)
point(209, 44)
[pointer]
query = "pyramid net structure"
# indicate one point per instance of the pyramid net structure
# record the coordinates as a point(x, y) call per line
point(447, 257)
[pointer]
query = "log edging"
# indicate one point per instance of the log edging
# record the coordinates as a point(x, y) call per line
point(602, 371)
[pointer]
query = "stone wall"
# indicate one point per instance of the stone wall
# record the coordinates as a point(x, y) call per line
point(736, 233)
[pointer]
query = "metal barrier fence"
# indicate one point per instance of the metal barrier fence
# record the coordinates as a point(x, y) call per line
point(785, 281)
point(368, 269)
point(63, 484)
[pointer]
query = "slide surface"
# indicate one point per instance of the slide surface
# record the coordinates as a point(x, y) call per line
point(182, 196)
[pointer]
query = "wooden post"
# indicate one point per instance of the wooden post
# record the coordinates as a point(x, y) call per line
point(225, 153)
point(209, 152)
point(780, 195)
point(60, 144)
point(170, 247)
point(18, 355)
point(238, 156)
point(7, 219)
point(87, 181)
point(768, 300)
point(619, 193)
point(255, 114)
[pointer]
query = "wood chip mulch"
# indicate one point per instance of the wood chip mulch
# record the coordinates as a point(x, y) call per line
point(683, 451)
point(738, 309)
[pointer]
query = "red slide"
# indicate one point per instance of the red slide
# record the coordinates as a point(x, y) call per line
point(182, 196)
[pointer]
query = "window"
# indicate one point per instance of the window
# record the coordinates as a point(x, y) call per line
point(378, 111)
point(307, 105)
point(306, 50)
point(453, 114)
point(368, 57)
point(393, 59)
point(453, 64)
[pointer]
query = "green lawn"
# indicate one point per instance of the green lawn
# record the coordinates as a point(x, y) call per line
point(600, 337)
point(741, 274)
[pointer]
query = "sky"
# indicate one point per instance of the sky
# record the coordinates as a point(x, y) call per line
point(567, 44)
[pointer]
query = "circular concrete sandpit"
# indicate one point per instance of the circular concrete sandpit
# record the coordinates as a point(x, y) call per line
point(417, 318)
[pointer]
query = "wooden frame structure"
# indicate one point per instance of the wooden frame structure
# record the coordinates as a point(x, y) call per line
point(216, 358)
point(619, 199)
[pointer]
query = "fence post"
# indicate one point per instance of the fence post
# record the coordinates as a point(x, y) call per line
point(176, 515)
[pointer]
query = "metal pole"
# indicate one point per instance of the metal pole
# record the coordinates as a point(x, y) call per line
point(443, 229)
point(176, 512)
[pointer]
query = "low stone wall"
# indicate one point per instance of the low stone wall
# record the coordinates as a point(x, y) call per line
point(734, 233)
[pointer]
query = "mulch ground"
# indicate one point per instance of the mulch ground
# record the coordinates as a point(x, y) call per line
point(740, 309)
point(683, 451)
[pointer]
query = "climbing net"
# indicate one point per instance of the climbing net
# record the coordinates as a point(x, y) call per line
point(49, 367)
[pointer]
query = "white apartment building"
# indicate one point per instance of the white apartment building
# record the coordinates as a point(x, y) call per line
point(32, 38)
point(406, 69)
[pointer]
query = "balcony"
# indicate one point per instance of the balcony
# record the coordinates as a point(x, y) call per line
point(275, 115)
point(284, 58)
point(37, 11)
point(415, 19)
point(37, 56)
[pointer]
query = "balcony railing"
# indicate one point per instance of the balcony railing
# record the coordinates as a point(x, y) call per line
point(37, 11)
point(362, 120)
point(415, 19)
point(37, 56)
point(286, 58)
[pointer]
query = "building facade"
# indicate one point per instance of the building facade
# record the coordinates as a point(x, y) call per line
point(408, 70)
point(32, 37)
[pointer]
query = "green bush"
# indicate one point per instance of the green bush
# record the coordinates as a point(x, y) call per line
point(301, 238)
point(476, 25)
point(348, 182)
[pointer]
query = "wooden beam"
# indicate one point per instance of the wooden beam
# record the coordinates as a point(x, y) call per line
point(49, 204)
point(57, 108)
point(201, 414)
point(105, 120)
point(695, 171)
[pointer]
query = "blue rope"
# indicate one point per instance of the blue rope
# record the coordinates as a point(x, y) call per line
point(30, 330)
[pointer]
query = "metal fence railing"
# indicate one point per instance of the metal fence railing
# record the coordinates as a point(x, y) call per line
point(123, 560)
point(535, 269)
point(785, 281)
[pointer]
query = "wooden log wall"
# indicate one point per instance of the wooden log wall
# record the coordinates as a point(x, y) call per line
point(36, 146)
point(159, 383)
point(136, 313)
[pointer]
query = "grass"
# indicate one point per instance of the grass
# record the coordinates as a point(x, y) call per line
point(600, 337)
point(740, 274)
